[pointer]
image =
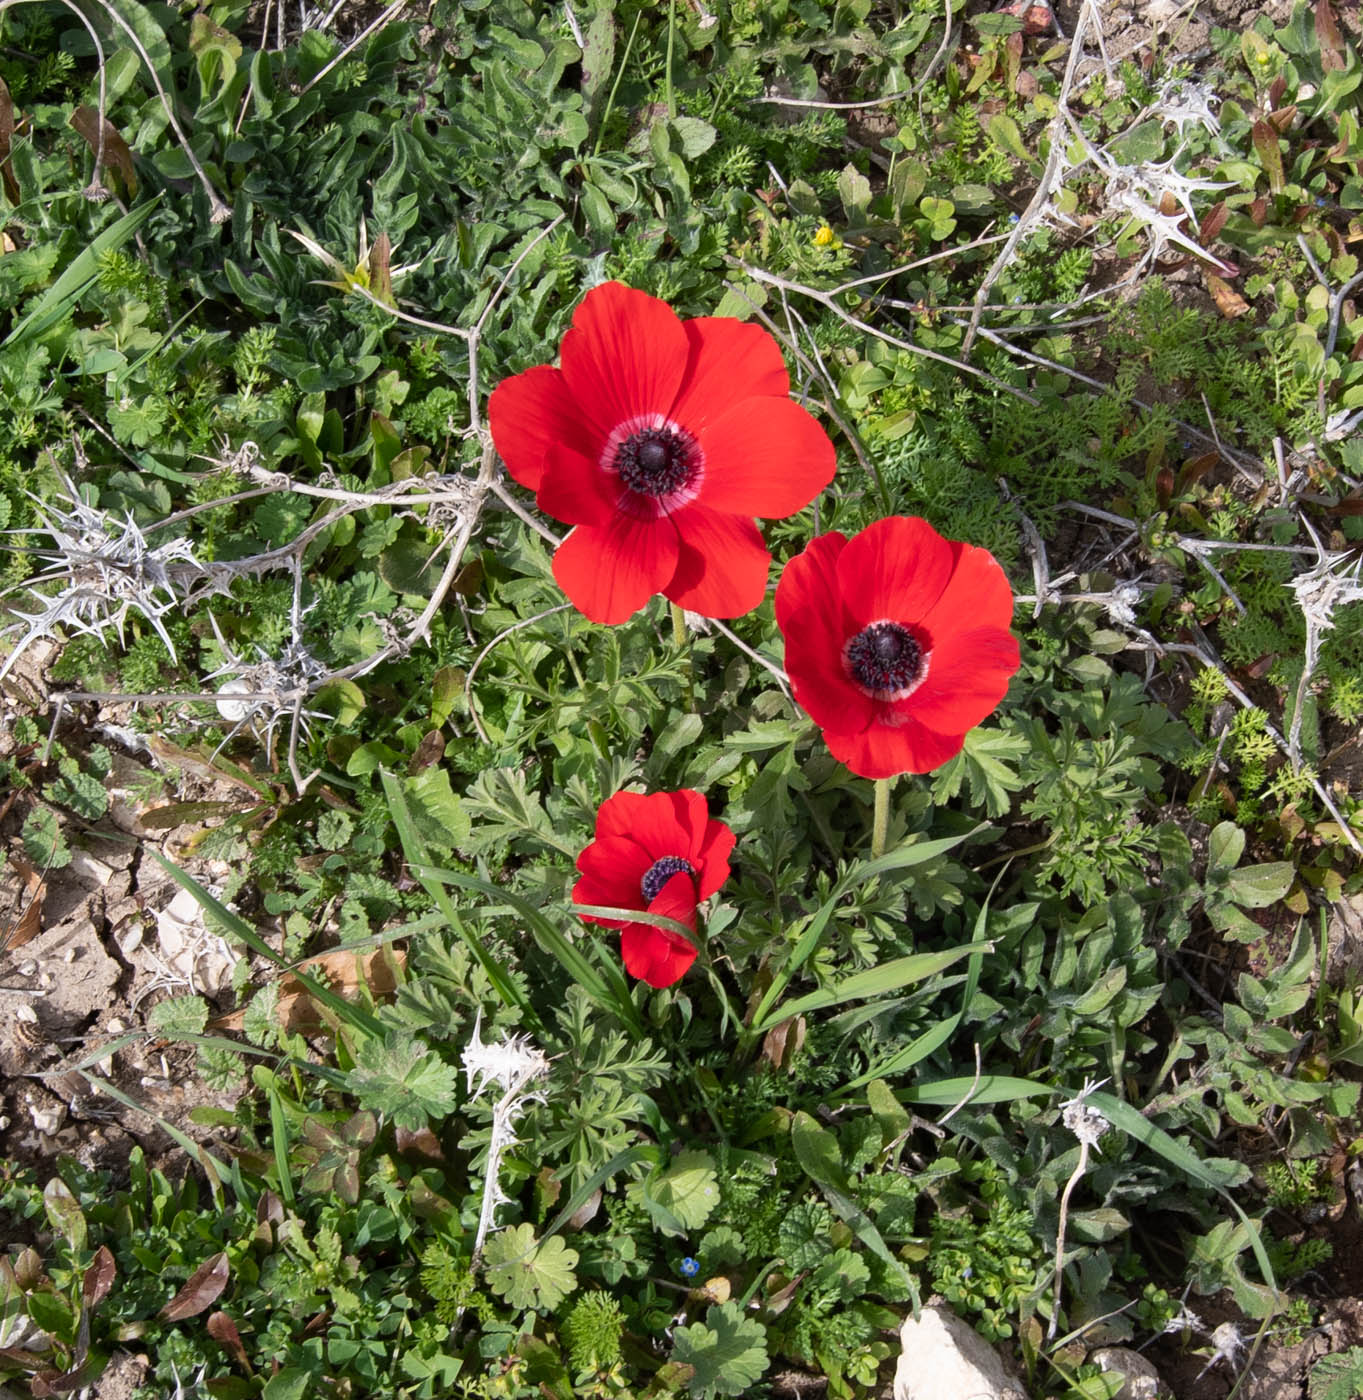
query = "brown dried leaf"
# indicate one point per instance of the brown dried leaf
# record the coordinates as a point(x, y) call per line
point(1228, 301)
point(113, 153)
point(201, 1291)
point(380, 270)
point(25, 925)
point(782, 1042)
point(345, 971)
point(423, 1142)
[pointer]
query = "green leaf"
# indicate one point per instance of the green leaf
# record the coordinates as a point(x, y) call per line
point(43, 841)
point(854, 189)
point(437, 813)
point(727, 1352)
point(874, 982)
point(688, 1189)
point(697, 136)
point(1225, 846)
point(178, 1017)
point(82, 793)
point(401, 1078)
point(1258, 886)
point(64, 1213)
point(529, 1274)
point(1338, 1377)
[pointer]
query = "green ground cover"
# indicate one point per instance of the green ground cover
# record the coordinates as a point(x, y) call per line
point(1087, 306)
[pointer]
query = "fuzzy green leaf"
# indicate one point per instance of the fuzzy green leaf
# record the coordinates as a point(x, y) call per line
point(728, 1352)
point(526, 1273)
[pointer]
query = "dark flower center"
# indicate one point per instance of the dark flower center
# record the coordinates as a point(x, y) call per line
point(659, 873)
point(885, 657)
point(655, 461)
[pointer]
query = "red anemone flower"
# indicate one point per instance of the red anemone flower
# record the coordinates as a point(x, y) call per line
point(897, 642)
point(660, 440)
point(661, 853)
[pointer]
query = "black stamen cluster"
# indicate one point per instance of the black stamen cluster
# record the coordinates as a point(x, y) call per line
point(654, 461)
point(885, 657)
point(659, 873)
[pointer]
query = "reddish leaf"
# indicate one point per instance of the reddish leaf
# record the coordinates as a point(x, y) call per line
point(1164, 487)
point(1197, 467)
point(99, 1278)
point(429, 751)
point(1265, 140)
point(1213, 221)
point(423, 1142)
point(224, 1331)
point(6, 140)
point(1350, 505)
point(1258, 212)
point(111, 150)
point(1283, 117)
point(1328, 36)
point(583, 1215)
point(1276, 89)
point(204, 1287)
point(28, 1268)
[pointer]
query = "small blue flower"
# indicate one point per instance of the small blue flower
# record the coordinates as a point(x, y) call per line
point(690, 1267)
point(1012, 218)
point(1320, 201)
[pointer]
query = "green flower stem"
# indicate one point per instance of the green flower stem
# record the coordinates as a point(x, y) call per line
point(682, 638)
point(881, 822)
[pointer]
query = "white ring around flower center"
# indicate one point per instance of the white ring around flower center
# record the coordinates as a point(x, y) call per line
point(637, 503)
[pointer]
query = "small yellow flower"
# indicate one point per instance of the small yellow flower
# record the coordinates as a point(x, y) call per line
point(824, 237)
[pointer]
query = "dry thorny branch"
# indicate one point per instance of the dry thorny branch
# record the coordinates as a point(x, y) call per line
point(102, 568)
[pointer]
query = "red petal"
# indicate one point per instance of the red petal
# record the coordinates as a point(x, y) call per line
point(897, 569)
point(712, 861)
point(624, 357)
point(883, 751)
point(575, 490)
point(722, 564)
point(978, 595)
point(655, 955)
point(765, 457)
point(967, 676)
point(728, 361)
point(532, 412)
point(610, 571)
point(810, 581)
point(611, 871)
point(821, 686)
point(657, 823)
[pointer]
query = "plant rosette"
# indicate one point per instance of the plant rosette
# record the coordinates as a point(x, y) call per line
point(661, 854)
point(660, 440)
point(897, 643)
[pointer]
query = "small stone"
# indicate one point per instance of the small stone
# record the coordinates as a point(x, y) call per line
point(116, 1026)
point(942, 1356)
point(48, 1120)
point(1140, 1379)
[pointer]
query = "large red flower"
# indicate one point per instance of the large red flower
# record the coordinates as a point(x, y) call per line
point(897, 642)
point(661, 853)
point(660, 440)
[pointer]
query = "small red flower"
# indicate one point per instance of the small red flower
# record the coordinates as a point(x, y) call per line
point(660, 440)
point(661, 853)
point(897, 642)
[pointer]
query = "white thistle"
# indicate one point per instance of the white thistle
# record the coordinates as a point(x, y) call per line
point(1121, 604)
point(1088, 1125)
point(1229, 1346)
point(1184, 101)
point(106, 569)
point(1332, 583)
point(513, 1065)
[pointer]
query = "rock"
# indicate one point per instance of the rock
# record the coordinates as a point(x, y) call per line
point(944, 1358)
point(1142, 1381)
point(1344, 940)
